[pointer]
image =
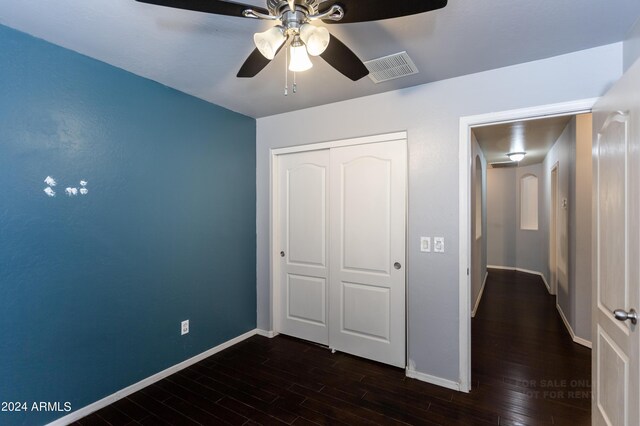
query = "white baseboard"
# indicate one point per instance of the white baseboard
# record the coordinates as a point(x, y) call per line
point(526, 271)
point(545, 282)
point(270, 334)
point(581, 341)
point(576, 339)
point(85, 411)
point(475, 307)
point(439, 381)
point(507, 268)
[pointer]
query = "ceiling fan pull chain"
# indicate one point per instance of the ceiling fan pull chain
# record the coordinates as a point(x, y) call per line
point(286, 72)
point(295, 86)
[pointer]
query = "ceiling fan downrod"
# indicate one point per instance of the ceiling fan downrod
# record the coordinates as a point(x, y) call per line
point(292, 18)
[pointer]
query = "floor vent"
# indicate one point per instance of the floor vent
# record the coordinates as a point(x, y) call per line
point(391, 67)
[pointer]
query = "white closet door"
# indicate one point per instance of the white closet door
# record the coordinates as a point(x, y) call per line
point(368, 214)
point(303, 186)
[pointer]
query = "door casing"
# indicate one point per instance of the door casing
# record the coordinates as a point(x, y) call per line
point(464, 203)
point(553, 230)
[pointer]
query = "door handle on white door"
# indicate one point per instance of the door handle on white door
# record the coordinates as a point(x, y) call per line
point(281, 254)
point(397, 265)
point(622, 315)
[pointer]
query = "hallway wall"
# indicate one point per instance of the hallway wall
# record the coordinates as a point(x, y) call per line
point(501, 217)
point(530, 243)
point(508, 245)
point(562, 154)
point(572, 154)
point(478, 245)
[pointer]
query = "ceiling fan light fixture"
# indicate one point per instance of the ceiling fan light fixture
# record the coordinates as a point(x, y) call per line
point(516, 156)
point(268, 42)
point(315, 38)
point(299, 59)
point(294, 14)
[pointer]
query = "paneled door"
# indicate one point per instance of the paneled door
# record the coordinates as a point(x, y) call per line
point(616, 178)
point(341, 235)
point(368, 215)
point(304, 274)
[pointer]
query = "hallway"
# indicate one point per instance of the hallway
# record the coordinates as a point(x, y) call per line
point(523, 359)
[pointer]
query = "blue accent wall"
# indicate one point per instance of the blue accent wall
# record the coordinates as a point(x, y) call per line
point(93, 287)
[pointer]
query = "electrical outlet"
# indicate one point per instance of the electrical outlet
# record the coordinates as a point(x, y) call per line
point(184, 327)
point(438, 244)
point(425, 244)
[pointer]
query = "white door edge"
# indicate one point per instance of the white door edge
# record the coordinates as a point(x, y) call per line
point(464, 205)
point(274, 243)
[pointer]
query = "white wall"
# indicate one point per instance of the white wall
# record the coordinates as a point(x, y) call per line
point(430, 113)
point(631, 47)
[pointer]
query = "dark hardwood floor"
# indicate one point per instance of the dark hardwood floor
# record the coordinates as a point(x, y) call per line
point(526, 371)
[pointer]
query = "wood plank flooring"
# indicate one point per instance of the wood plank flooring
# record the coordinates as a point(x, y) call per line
point(525, 371)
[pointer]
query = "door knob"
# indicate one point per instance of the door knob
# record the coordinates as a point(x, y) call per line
point(397, 265)
point(281, 254)
point(622, 315)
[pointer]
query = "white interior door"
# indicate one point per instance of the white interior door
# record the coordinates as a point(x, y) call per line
point(616, 346)
point(368, 215)
point(304, 274)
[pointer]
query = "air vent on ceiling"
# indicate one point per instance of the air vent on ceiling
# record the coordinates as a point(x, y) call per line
point(391, 67)
point(503, 164)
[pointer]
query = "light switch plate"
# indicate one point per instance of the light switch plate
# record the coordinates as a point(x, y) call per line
point(184, 327)
point(438, 244)
point(425, 244)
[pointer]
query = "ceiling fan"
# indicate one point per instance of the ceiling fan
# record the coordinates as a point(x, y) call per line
point(296, 17)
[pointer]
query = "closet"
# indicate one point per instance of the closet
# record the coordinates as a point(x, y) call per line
point(339, 239)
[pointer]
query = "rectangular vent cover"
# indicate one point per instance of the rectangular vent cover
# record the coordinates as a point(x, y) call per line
point(503, 164)
point(390, 67)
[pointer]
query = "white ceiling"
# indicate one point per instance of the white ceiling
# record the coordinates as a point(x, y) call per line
point(200, 54)
point(535, 137)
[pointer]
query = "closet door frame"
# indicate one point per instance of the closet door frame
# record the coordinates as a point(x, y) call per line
point(274, 208)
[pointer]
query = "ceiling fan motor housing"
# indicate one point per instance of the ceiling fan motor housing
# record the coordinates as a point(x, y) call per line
point(292, 21)
point(278, 7)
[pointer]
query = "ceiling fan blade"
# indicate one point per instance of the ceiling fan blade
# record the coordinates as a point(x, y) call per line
point(375, 10)
point(253, 65)
point(344, 60)
point(218, 7)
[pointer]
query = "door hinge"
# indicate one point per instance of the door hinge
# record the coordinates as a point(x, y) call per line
point(467, 271)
